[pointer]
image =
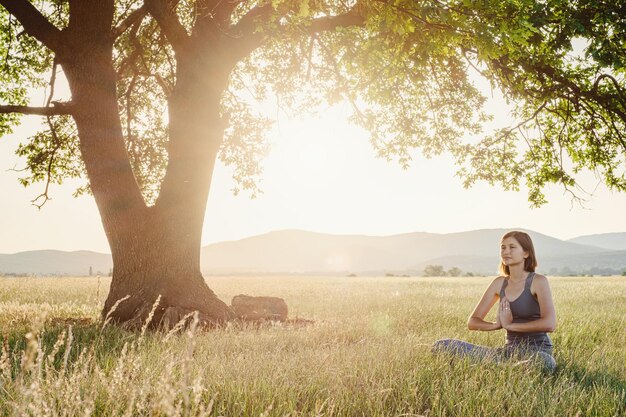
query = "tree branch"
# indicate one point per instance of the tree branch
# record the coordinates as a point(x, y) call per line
point(247, 39)
point(579, 92)
point(615, 83)
point(224, 9)
point(326, 23)
point(43, 198)
point(415, 16)
point(57, 109)
point(134, 17)
point(52, 83)
point(9, 43)
point(34, 23)
point(164, 13)
point(341, 79)
point(245, 27)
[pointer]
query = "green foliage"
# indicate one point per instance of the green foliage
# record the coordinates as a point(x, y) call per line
point(53, 154)
point(145, 66)
point(407, 76)
point(244, 143)
point(22, 61)
point(405, 66)
point(571, 103)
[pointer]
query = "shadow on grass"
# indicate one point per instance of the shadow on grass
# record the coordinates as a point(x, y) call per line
point(594, 379)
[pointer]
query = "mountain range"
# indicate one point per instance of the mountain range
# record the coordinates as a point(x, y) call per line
point(302, 252)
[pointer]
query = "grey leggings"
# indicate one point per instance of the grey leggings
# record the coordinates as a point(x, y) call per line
point(541, 356)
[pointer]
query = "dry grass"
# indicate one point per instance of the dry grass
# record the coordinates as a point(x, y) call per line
point(368, 353)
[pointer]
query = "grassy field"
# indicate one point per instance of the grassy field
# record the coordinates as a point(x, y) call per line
point(367, 354)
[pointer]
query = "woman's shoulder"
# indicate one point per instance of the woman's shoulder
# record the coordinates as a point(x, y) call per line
point(499, 279)
point(540, 282)
point(496, 283)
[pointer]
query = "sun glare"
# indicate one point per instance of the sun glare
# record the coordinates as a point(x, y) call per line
point(315, 155)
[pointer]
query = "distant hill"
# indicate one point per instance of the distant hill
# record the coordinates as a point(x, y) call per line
point(295, 251)
point(302, 252)
point(56, 262)
point(602, 263)
point(614, 241)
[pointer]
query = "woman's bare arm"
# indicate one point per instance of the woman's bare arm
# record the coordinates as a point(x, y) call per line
point(476, 320)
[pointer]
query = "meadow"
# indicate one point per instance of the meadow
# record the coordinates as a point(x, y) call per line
point(366, 354)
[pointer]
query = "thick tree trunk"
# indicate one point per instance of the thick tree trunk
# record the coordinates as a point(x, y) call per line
point(156, 261)
point(156, 250)
point(161, 257)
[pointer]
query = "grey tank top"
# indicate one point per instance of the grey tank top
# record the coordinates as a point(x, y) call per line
point(525, 308)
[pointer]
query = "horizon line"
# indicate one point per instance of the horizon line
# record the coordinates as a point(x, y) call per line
point(333, 234)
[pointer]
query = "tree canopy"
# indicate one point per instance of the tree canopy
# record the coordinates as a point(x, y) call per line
point(405, 66)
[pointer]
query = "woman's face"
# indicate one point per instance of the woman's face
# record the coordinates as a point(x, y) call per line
point(512, 252)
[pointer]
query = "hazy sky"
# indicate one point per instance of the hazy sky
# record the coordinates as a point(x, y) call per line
point(321, 175)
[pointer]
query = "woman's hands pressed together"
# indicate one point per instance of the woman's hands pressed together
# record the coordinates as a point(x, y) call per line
point(505, 317)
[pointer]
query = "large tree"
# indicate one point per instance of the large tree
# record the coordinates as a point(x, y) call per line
point(161, 88)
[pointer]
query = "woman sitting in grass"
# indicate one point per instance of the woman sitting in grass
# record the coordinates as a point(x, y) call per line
point(526, 309)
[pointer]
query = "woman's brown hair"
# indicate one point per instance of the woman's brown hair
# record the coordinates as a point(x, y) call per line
point(530, 263)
